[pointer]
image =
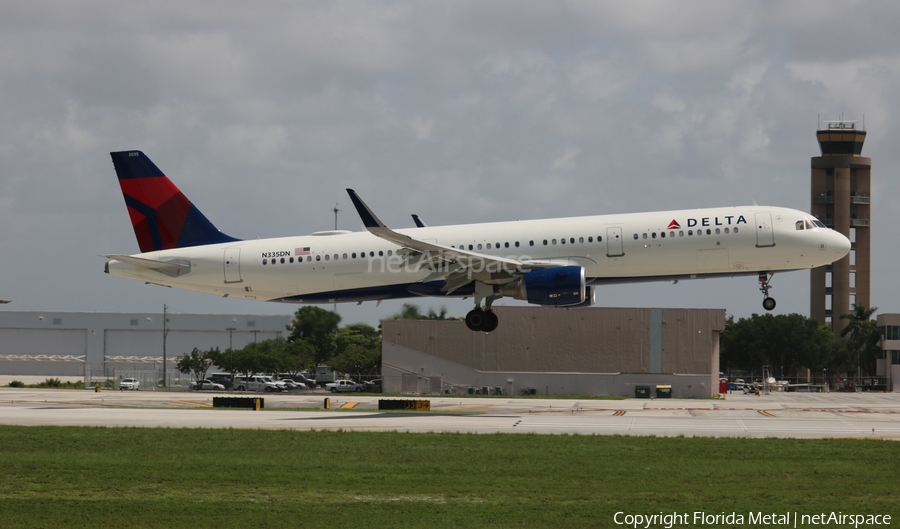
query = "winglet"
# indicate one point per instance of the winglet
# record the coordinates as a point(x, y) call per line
point(368, 217)
point(418, 221)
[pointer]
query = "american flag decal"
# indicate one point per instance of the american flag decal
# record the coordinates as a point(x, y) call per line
point(301, 251)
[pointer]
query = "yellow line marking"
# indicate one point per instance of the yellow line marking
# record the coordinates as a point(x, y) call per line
point(764, 412)
point(348, 405)
point(619, 413)
point(189, 403)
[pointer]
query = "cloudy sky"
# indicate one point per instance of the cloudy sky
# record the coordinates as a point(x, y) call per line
point(264, 112)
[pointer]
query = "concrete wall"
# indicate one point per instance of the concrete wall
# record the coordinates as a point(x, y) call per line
point(593, 351)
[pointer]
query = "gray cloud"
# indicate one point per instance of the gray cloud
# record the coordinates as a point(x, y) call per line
point(460, 111)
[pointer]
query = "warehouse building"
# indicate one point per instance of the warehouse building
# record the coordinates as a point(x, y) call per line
point(542, 351)
point(100, 346)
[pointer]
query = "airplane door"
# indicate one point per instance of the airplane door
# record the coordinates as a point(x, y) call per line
point(614, 243)
point(765, 236)
point(232, 264)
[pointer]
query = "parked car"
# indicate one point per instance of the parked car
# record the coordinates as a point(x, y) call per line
point(129, 383)
point(207, 384)
point(343, 385)
point(292, 384)
point(258, 383)
point(310, 383)
point(221, 378)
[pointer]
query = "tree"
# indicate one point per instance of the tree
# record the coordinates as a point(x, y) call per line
point(358, 350)
point(317, 327)
point(784, 342)
point(862, 336)
point(197, 362)
point(412, 312)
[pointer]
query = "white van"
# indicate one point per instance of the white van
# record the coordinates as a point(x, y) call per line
point(257, 383)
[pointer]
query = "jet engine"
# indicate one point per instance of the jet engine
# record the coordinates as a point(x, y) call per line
point(562, 286)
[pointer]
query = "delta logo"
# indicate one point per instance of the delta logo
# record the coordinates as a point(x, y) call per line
point(727, 220)
point(674, 225)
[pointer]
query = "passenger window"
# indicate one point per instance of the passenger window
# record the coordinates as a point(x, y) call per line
point(726, 231)
point(380, 253)
point(708, 231)
point(635, 236)
point(291, 259)
point(735, 229)
point(554, 242)
point(345, 256)
point(517, 244)
point(497, 245)
point(506, 245)
point(717, 231)
point(353, 255)
point(371, 254)
point(663, 235)
point(563, 240)
point(644, 236)
point(390, 253)
point(479, 246)
point(681, 233)
point(265, 262)
point(471, 247)
point(581, 240)
point(327, 257)
point(318, 258)
point(653, 235)
point(590, 239)
point(545, 242)
point(671, 234)
point(530, 243)
point(308, 258)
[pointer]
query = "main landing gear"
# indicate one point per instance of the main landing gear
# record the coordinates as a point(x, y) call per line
point(483, 319)
point(764, 278)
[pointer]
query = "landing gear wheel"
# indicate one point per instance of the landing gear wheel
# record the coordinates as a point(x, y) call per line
point(769, 303)
point(476, 320)
point(491, 321)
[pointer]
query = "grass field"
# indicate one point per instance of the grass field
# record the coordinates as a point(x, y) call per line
point(123, 477)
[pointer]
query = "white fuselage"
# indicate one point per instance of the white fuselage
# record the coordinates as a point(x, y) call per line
point(358, 266)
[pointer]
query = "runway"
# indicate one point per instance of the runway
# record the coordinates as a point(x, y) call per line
point(788, 415)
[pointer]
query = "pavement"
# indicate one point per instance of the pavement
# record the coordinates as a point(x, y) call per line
point(788, 415)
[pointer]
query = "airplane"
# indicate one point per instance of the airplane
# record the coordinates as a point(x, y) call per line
point(557, 262)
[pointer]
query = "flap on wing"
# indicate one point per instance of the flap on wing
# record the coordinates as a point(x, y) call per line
point(173, 268)
point(486, 263)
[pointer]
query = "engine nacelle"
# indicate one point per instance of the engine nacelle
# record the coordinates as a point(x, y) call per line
point(590, 295)
point(563, 286)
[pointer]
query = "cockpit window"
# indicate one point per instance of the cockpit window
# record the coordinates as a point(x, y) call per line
point(799, 225)
point(818, 223)
point(809, 224)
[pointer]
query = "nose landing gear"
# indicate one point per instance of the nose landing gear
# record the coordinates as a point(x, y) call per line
point(764, 279)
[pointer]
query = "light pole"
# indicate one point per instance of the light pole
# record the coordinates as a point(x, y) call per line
point(231, 350)
point(165, 333)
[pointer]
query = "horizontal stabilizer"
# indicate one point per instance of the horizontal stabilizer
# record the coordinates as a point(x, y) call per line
point(170, 268)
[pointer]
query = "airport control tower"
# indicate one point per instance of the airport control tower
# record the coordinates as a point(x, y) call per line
point(842, 199)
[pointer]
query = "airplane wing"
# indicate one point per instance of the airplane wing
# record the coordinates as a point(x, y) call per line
point(457, 266)
point(170, 268)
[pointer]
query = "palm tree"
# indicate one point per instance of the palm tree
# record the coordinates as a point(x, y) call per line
point(862, 333)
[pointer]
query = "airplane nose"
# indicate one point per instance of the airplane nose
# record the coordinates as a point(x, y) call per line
point(841, 245)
